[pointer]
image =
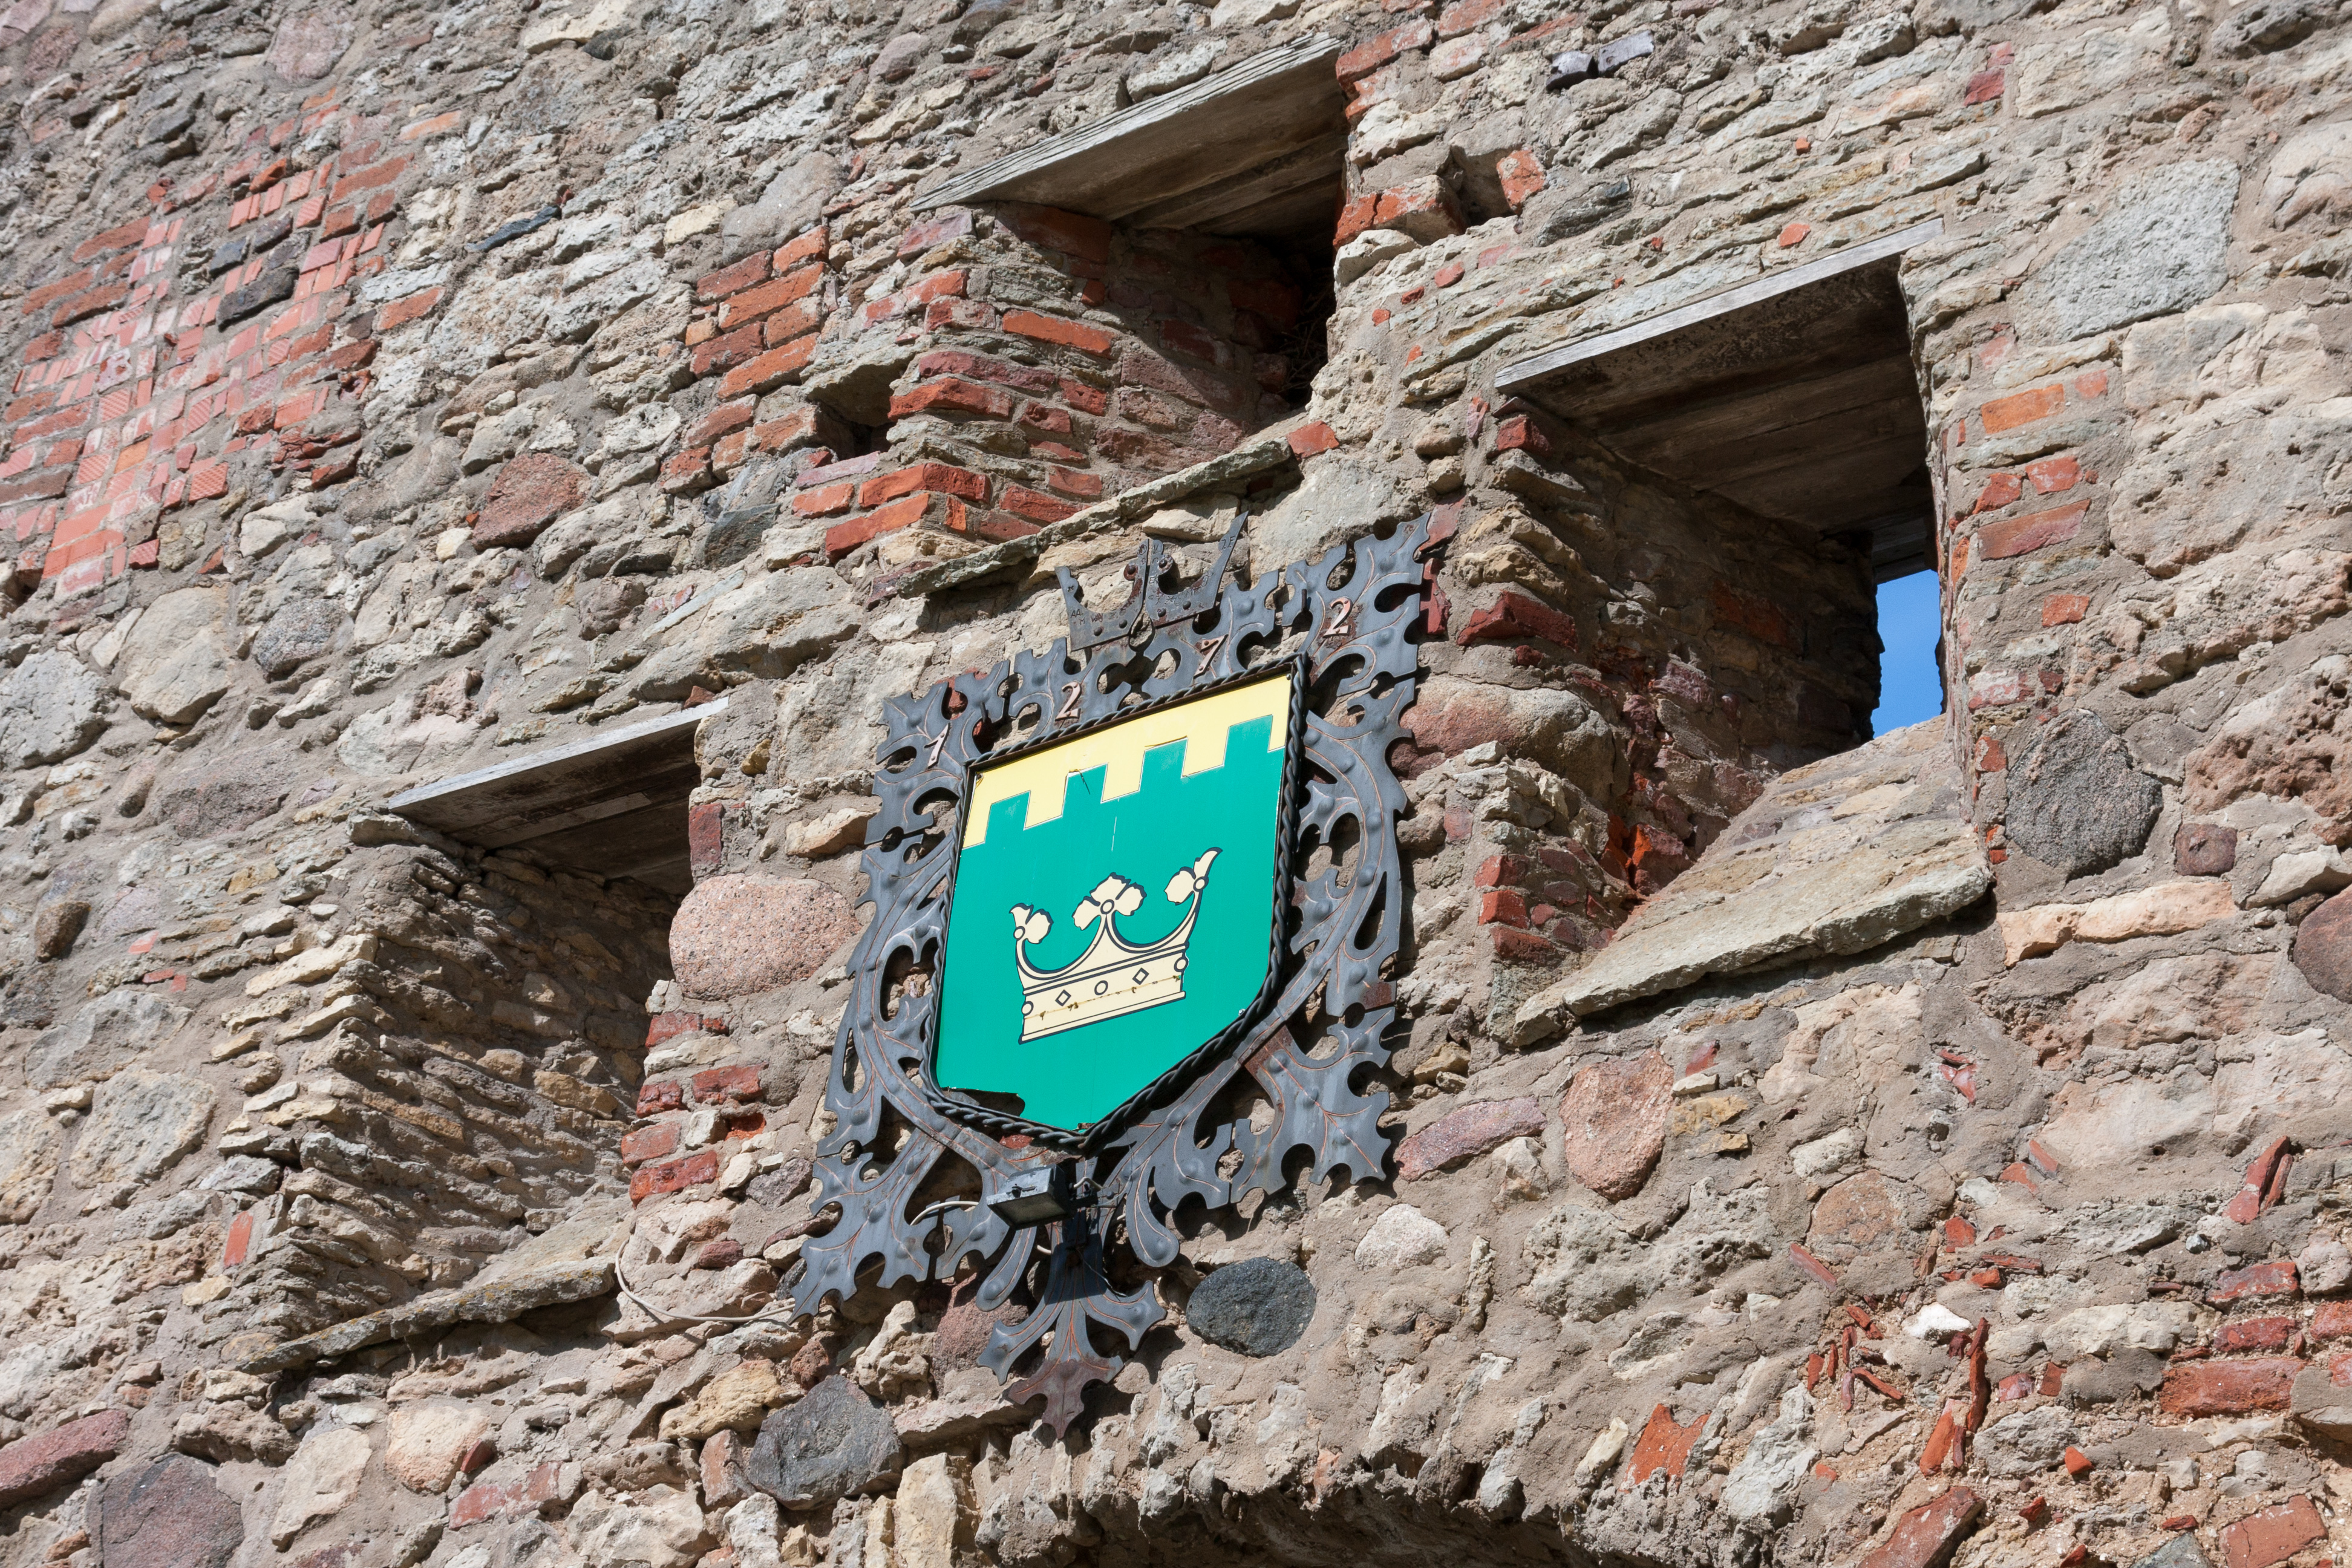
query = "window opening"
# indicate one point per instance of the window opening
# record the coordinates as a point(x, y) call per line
point(1911, 652)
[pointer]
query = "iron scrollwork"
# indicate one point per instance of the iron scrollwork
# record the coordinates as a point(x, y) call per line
point(1349, 619)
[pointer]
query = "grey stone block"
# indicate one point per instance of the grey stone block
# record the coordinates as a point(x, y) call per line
point(2076, 802)
point(1257, 1307)
point(2162, 247)
point(833, 1443)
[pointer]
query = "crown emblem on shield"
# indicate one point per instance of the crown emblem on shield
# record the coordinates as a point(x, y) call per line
point(1114, 976)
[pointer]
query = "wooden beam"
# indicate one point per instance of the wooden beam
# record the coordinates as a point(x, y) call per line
point(1213, 206)
point(1219, 127)
point(613, 804)
point(1527, 374)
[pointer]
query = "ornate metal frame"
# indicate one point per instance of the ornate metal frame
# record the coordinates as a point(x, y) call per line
point(1347, 619)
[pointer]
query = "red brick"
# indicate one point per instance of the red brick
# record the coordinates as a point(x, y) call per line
point(792, 323)
point(40, 487)
point(952, 223)
point(1664, 1448)
point(103, 298)
point(1999, 492)
point(1925, 1536)
point(2332, 1321)
point(1515, 618)
point(1046, 416)
point(2023, 408)
point(1467, 1133)
point(489, 1500)
point(740, 1082)
point(723, 1482)
point(1381, 47)
point(2254, 1283)
point(994, 526)
point(35, 1466)
point(1502, 906)
point(2051, 475)
point(2254, 1334)
point(987, 368)
point(753, 268)
point(402, 311)
point(1522, 175)
point(47, 294)
point(531, 493)
point(1056, 330)
point(1072, 234)
point(1793, 234)
point(1309, 439)
point(122, 239)
point(239, 1245)
point(1984, 87)
point(437, 125)
point(1357, 217)
point(673, 1175)
point(951, 395)
point(1196, 342)
point(1519, 433)
point(825, 500)
point(2064, 609)
point(657, 1095)
point(1939, 1443)
point(294, 411)
point(844, 537)
point(1500, 871)
point(738, 347)
point(687, 472)
point(667, 1027)
point(752, 303)
point(2261, 1174)
point(2228, 1387)
point(799, 427)
point(807, 247)
point(1427, 205)
point(1515, 946)
point(2023, 535)
point(368, 179)
point(960, 315)
point(1075, 483)
point(770, 369)
point(1464, 15)
point(926, 289)
point(1081, 396)
point(1036, 508)
point(1141, 367)
point(2272, 1535)
point(650, 1143)
point(941, 477)
point(727, 416)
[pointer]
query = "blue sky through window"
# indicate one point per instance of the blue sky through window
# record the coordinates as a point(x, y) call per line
point(1908, 690)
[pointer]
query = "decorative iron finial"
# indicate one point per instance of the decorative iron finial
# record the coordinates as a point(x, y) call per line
point(1147, 602)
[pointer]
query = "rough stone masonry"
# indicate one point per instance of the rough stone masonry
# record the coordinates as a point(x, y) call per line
point(1810, 1147)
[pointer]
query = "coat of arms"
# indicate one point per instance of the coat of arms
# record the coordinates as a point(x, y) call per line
point(1109, 880)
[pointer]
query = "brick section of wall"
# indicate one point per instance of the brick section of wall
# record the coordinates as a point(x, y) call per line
point(2032, 515)
point(136, 403)
point(1062, 360)
point(755, 326)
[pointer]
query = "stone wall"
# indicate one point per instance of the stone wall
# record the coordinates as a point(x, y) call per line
point(1809, 1147)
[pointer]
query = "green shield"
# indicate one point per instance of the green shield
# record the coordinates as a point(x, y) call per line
point(1114, 903)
